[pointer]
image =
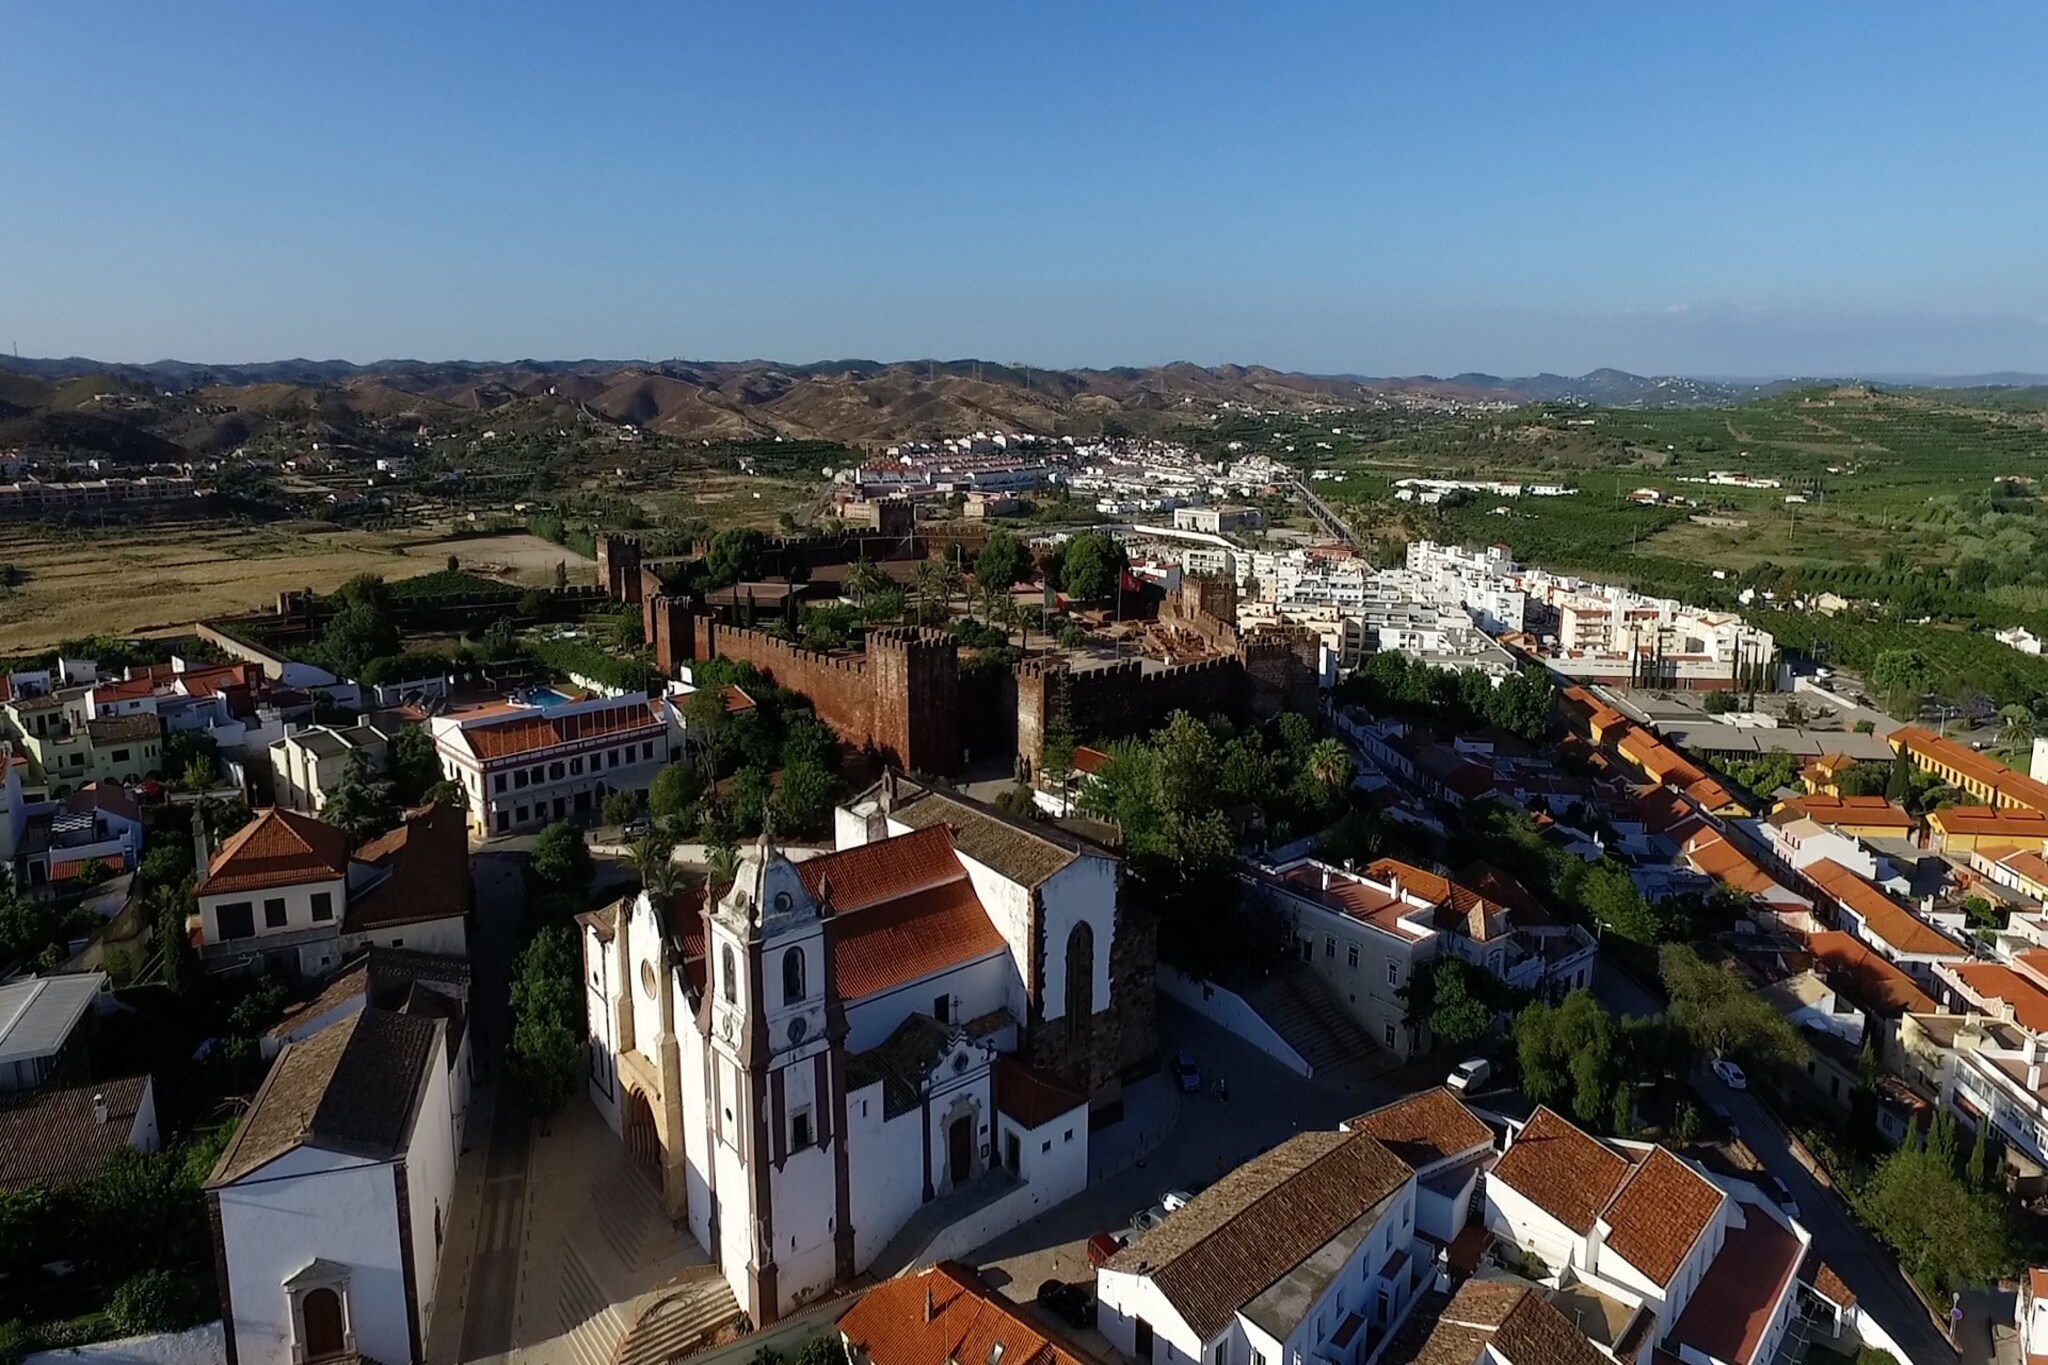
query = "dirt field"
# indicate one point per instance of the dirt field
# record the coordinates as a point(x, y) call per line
point(517, 558)
point(151, 578)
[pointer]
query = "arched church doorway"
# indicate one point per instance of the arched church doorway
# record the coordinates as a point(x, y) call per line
point(643, 1139)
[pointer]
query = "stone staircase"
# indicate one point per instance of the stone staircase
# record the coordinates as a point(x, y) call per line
point(679, 1321)
point(1314, 1022)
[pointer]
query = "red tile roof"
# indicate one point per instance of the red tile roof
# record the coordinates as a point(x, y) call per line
point(428, 861)
point(1829, 1285)
point(1661, 1211)
point(1425, 1128)
point(943, 1316)
point(1561, 1170)
point(883, 870)
point(737, 702)
point(277, 848)
point(522, 732)
point(1985, 823)
point(1867, 978)
point(2012, 788)
point(1995, 981)
point(1731, 1308)
point(1882, 915)
point(911, 936)
point(1871, 812)
point(1032, 1097)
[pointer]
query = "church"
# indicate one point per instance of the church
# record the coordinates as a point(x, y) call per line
point(901, 1041)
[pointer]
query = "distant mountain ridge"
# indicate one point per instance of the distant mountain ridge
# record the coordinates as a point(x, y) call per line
point(63, 401)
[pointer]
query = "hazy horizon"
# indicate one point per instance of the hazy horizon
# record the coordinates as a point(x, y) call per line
point(1748, 190)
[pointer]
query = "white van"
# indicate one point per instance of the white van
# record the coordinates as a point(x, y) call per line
point(1470, 1075)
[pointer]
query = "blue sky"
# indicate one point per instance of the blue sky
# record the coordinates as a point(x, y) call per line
point(1723, 188)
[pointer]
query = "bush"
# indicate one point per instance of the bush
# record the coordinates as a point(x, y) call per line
point(622, 808)
point(154, 1301)
point(1721, 703)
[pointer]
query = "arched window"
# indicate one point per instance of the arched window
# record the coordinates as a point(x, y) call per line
point(1080, 980)
point(728, 975)
point(321, 1313)
point(793, 976)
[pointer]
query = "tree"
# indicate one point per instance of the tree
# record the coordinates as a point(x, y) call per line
point(1001, 563)
point(2015, 727)
point(674, 790)
point(180, 971)
point(654, 860)
point(447, 794)
point(622, 807)
point(453, 563)
point(1901, 675)
point(1899, 785)
point(1611, 898)
point(1720, 703)
point(937, 583)
point(1721, 1015)
point(545, 1053)
point(747, 793)
point(1569, 1052)
point(804, 798)
point(1091, 565)
point(1947, 1236)
point(560, 861)
point(827, 1348)
point(864, 578)
point(561, 573)
point(1452, 999)
point(721, 865)
point(414, 762)
point(734, 556)
point(1686, 1126)
point(1863, 779)
point(91, 873)
point(1328, 764)
point(197, 776)
point(364, 802)
point(1978, 1172)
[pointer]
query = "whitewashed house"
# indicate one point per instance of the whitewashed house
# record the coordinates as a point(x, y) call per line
point(925, 1014)
point(329, 1207)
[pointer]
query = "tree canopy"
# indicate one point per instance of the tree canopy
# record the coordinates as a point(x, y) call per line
point(544, 1054)
point(1090, 566)
point(364, 802)
point(1002, 563)
point(1721, 1015)
point(1393, 684)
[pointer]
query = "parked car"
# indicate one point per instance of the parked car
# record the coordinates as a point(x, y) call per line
point(1102, 1246)
point(1727, 1121)
point(1469, 1075)
point(1783, 1194)
point(1186, 1074)
point(1069, 1303)
point(1730, 1074)
point(639, 827)
point(1174, 1200)
point(1144, 1220)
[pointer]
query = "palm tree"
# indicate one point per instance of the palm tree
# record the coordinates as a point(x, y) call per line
point(935, 580)
point(1328, 764)
point(722, 863)
point(2016, 727)
point(864, 578)
point(654, 859)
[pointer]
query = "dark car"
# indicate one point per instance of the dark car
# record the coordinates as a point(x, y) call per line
point(1070, 1303)
point(1186, 1074)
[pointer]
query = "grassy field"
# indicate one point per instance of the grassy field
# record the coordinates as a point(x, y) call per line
point(75, 584)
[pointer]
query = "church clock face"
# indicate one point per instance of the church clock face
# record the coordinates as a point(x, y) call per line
point(727, 1024)
point(798, 1027)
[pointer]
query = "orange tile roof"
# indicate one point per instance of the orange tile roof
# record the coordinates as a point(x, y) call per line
point(277, 848)
point(1425, 1128)
point(1032, 1097)
point(2027, 864)
point(2013, 788)
point(943, 1316)
point(736, 700)
point(1873, 982)
point(1825, 1281)
point(882, 870)
point(1660, 1212)
point(895, 943)
point(1730, 1309)
point(1871, 812)
point(1881, 914)
point(523, 732)
point(1996, 981)
point(1561, 1170)
point(1711, 854)
point(1421, 882)
point(1983, 822)
point(428, 859)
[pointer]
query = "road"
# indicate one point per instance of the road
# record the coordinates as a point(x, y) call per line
point(1844, 1244)
point(500, 882)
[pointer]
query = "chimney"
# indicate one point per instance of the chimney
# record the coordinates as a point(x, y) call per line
point(99, 1109)
point(928, 1303)
point(1326, 876)
point(202, 855)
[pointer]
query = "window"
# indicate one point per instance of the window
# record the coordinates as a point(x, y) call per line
point(576, 766)
point(799, 1130)
point(1223, 1352)
point(1351, 956)
point(1069, 1137)
point(323, 906)
point(518, 780)
point(793, 976)
point(647, 749)
point(612, 759)
point(555, 771)
point(1393, 973)
point(1142, 1340)
point(273, 913)
point(498, 783)
point(120, 755)
point(237, 920)
point(728, 974)
point(1329, 945)
point(505, 821)
point(942, 1009)
point(1388, 1034)
point(1080, 980)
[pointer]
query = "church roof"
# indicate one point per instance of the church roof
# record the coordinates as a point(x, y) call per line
point(871, 873)
point(1027, 852)
point(898, 942)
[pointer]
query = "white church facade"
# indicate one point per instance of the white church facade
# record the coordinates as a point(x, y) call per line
point(929, 1013)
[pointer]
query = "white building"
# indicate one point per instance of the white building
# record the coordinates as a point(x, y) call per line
point(525, 766)
point(1308, 1252)
point(839, 1044)
point(285, 887)
point(307, 764)
point(331, 1202)
point(1705, 1262)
